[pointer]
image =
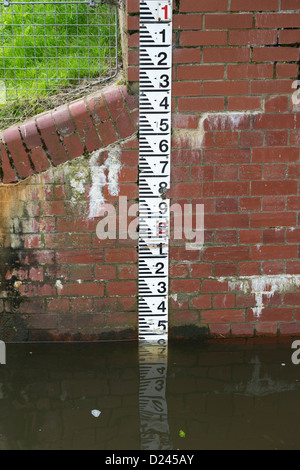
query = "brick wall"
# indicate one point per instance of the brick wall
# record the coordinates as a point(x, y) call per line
point(235, 150)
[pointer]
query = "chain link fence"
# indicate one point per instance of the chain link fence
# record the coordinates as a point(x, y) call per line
point(55, 46)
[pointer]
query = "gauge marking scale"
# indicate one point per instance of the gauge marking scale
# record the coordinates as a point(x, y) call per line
point(155, 92)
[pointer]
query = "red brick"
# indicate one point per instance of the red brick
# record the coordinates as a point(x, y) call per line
point(186, 88)
point(201, 302)
point(273, 219)
point(272, 54)
point(122, 255)
point(55, 148)
point(224, 253)
point(225, 220)
point(270, 87)
point(293, 203)
point(273, 203)
point(116, 288)
point(290, 4)
point(242, 330)
point(249, 268)
point(186, 190)
point(186, 56)
point(9, 175)
point(200, 72)
point(251, 138)
point(225, 269)
point(185, 121)
point(203, 38)
point(226, 139)
point(272, 236)
point(116, 105)
point(39, 159)
point(226, 88)
point(12, 138)
point(276, 104)
point(250, 236)
point(250, 172)
point(132, 23)
point(81, 305)
point(86, 289)
point(79, 256)
point(185, 285)
point(277, 20)
point(289, 36)
point(292, 235)
point(211, 286)
point(226, 156)
point(225, 173)
point(84, 125)
point(249, 71)
point(58, 305)
point(292, 298)
point(131, 100)
point(214, 5)
point(178, 270)
point(224, 301)
point(63, 120)
point(226, 204)
point(187, 22)
point(266, 329)
point(271, 268)
point(37, 290)
point(226, 189)
point(265, 188)
point(244, 103)
point(30, 135)
point(275, 155)
point(219, 330)
point(127, 272)
point(201, 104)
point(273, 252)
point(252, 37)
point(80, 272)
point(224, 54)
point(41, 321)
point(73, 145)
point(222, 316)
point(255, 5)
point(228, 21)
point(132, 6)
point(201, 270)
point(287, 71)
point(274, 172)
point(290, 329)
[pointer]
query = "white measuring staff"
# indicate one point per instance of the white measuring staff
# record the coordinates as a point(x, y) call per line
point(154, 167)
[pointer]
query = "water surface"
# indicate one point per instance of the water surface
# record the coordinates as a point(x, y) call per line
point(107, 396)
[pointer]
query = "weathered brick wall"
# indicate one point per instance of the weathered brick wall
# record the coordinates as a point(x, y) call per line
point(235, 150)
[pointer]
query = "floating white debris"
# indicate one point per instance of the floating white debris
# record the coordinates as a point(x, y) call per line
point(96, 413)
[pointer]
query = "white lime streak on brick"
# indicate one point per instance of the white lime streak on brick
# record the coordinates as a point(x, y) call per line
point(112, 167)
point(262, 285)
point(219, 120)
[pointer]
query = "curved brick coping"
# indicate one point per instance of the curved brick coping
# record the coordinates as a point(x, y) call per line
point(67, 132)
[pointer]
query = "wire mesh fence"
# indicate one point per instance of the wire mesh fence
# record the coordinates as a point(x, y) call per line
point(55, 46)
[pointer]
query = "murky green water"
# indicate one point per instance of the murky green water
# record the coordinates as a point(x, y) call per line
point(101, 396)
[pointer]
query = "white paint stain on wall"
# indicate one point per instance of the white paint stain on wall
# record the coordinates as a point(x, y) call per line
point(262, 286)
point(101, 175)
point(229, 120)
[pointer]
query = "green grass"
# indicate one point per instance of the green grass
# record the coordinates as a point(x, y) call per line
point(43, 54)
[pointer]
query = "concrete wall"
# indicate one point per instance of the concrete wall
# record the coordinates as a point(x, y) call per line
point(235, 149)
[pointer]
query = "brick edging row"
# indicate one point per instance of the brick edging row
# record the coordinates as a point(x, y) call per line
point(67, 132)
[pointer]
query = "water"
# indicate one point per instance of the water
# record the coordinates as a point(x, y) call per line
point(107, 396)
